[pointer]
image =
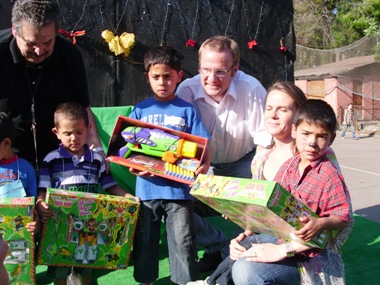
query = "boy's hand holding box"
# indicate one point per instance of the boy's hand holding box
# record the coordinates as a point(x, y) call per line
point(88, 230)
point(159, 150)
point(258, 205)
point(15, 214)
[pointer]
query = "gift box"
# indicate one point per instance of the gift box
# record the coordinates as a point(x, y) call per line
point(15, 214)
point(88, 230)
point(156, 149)
point(258, 205)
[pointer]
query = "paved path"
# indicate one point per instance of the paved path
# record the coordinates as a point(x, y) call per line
point(360, 164)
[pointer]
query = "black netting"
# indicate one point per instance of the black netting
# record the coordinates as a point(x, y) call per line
point(115, 80)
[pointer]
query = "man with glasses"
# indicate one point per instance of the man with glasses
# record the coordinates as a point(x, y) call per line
point(39, 70)
point(231, 105)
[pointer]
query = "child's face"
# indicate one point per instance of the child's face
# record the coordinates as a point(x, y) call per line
point(72, 134)
point(312, 141)
point(163, 81)
point(5, 148)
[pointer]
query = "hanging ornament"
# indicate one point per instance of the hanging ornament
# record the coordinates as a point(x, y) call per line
point(191, 43)
point(252, 44)
point(283, 48)
point(72, 35)
point(122, 44)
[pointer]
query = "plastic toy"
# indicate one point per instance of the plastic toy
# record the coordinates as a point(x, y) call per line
point(88, 230)
point(264, 206)
point(156, 142)
point(155, 149)
point(15, 214)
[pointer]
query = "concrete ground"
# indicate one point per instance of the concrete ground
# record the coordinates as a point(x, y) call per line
point(360, 164)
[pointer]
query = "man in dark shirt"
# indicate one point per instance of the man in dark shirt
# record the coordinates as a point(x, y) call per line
point(38, 71)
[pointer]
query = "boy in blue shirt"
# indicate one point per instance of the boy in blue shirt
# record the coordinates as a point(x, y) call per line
point(13, 169)
point(17, 176)
point(164, 199)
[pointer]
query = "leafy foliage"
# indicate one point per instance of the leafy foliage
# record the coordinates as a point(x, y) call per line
point(330, 24)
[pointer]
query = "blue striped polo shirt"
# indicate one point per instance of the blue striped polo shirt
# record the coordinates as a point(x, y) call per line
point(62, 170)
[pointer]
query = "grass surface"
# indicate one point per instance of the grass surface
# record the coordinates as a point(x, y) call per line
point(361, 255)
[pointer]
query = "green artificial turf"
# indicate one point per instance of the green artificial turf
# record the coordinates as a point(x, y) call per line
point(361, 255)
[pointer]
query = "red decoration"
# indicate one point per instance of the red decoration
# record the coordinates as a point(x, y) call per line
point(71, 35)
point(191, 43)
point(283, 48)
point(252, 44)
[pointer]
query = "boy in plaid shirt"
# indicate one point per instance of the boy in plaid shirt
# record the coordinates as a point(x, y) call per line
point(312, 178)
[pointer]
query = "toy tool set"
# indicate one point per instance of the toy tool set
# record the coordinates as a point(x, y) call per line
point(88, 230)
point(161, 151)
point(258, 205)
point(15, 214)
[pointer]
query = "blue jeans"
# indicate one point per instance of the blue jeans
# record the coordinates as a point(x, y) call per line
point(178, 218)
point(207, 236)
point(284, 272)
point(345, 129)
point(210, 238)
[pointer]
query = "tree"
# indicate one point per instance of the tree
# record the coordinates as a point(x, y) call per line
point(354, 20)
point(313, 21)
point(330, 24)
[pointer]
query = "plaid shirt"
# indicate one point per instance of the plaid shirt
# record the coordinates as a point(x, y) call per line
point(321, 187)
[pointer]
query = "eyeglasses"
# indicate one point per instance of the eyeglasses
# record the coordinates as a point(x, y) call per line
point(217, 73)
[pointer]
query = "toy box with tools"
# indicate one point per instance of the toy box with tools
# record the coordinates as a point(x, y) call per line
point(88, 230)
point(159, 150)
point(258, 205)
point(15, 214)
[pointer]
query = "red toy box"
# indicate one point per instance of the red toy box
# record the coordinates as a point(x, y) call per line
point(159, 150)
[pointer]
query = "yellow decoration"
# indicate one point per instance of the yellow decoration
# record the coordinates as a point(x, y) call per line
point(122, 44)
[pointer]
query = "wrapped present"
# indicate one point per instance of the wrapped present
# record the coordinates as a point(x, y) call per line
point(15, 214)
point(88, 230)
point(159, 150)
point(258, 205)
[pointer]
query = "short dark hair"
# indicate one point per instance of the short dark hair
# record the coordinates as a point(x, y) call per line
point(71, 111)
point(7, 127)
point(316, 112)
point(163, 55)
point(38, 13)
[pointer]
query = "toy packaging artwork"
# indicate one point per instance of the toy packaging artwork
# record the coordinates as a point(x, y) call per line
point(259, 205)
point(88, 230)
point(15, 214)
point(159, 150)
